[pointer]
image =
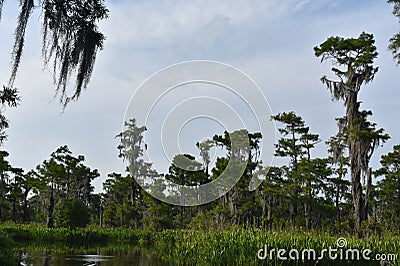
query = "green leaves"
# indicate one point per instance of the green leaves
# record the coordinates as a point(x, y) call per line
point(394, 46)
point(394, 42)
point(356, 52)
point(389, 188)
point(356, 57)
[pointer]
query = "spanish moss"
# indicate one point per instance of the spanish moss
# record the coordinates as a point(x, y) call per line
point(71, 41)
point(26, 10)
point(357, 57)
point(1, 6)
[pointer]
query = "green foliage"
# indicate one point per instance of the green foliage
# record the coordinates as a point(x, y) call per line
point(394, 42)
point(72, 214)
point(79, 236)
point(7, 256)
point(304, 177)
point(240, 246)
point(356, 56)
point(388, 189)
point(63, 176)
point(185, 170)
point(356, 53)
point(158, 215)
point(121, 201)
point(8, 96)
point(235, 246)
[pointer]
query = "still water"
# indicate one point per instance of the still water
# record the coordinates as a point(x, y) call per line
point(103, 257)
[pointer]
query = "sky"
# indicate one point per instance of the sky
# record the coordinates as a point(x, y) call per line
point(270, 41)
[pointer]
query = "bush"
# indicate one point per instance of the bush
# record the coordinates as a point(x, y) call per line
point(7, 256)
point(73, 214)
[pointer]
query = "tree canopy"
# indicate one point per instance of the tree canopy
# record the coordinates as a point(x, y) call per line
point(394, 42)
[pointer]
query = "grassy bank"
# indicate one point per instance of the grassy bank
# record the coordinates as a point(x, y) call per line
point(82, 236)
point(224, 247)
point(240, 247)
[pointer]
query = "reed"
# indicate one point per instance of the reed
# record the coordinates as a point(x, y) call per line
point(236, 246)
point(240, 247)
point(82, 236)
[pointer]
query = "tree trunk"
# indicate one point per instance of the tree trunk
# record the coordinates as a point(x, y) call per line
point(293, 212)
point(352, 112)
point(307, 213)
point(14, 209)
point(269, 214)
point(263, 208)
point(101, 217)
point(50, 209)
point(367, 191)
point(337, 195)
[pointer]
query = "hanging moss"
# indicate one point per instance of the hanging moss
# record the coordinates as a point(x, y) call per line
point(71, 40)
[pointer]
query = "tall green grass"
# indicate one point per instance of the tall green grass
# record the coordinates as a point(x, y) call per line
point(222, 247)
point(240, 247)
point(82, 236)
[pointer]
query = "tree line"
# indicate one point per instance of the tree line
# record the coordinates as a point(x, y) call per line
point(334, 192)
point(308, 192)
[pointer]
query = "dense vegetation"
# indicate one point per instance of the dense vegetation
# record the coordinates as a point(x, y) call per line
point(308, 192)
point(300, 204)
point(333, 194)
point(234, 246)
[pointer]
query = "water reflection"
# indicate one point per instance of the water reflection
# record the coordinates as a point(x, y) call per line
point(103, 257)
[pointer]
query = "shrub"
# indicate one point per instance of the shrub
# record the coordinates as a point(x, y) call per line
point(73, 214)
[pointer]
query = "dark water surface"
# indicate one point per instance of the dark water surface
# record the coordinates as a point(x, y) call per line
point(93, 257)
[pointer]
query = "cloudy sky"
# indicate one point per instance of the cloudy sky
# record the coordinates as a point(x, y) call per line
point(271, 41)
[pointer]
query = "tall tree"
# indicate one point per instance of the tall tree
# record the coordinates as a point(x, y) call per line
point(131, 149)
point(186, 171)
point(355, 56)
point(239, 201)
point(389, 188)
point(118, 210)
point(50, 172)
point(65, 178)
point(290, 145)
point(269, 193)
point(337, 149)
point(204, 148)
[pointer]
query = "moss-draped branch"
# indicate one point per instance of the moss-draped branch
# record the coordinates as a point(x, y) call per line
point(71, 40)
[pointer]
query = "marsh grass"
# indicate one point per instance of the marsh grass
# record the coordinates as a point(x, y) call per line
point(236, 246)
point(239, 247)
point(81, 236)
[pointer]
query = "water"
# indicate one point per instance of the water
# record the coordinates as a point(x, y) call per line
point(103, 257)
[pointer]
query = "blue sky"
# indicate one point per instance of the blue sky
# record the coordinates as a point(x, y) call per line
point(271, 41)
